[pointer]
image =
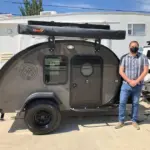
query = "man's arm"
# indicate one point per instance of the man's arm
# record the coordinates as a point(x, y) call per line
point(145, 70)
point(123, 75)
point(142, 76)
point(121, 70)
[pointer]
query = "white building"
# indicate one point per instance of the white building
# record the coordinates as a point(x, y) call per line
point(4, 16)
point(137, 26)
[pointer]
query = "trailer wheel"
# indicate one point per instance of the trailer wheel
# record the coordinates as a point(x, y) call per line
point(42, 117)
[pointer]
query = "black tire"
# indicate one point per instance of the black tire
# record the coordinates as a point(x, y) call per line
point(52, 113)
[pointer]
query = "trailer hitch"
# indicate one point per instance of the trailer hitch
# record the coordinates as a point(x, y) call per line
point(2, 114)
point(51, 41)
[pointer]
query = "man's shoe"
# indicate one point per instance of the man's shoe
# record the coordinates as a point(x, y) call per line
point(119, 125)
point(136, 125)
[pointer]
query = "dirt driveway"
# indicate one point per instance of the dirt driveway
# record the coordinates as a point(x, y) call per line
point(78, 133)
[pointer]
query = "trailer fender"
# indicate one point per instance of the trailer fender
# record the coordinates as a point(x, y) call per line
point(50, 96)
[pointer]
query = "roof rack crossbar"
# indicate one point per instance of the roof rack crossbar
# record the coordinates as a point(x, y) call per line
point(71, 32)
point(51, 42)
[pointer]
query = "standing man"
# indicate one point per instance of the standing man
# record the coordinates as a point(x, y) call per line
point(133, 69)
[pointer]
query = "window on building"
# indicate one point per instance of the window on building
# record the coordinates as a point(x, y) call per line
point(55, 69)
point(136, 29)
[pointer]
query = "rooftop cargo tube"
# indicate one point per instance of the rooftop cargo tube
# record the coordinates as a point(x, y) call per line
point(69, 24)
point(71, 32)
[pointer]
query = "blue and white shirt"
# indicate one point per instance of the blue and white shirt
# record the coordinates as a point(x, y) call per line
point(134, 65)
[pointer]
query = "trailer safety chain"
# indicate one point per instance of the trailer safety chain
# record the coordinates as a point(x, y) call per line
point(2, 114)
point(97, 45)
point(51, 41)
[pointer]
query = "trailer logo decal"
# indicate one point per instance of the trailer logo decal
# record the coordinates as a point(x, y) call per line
point(28, 71)
point(38, 30)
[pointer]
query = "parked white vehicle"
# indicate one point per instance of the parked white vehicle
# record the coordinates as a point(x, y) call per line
point(146, 52)
point(146, 86)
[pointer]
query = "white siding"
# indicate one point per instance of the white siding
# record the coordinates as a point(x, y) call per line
point(118, 21)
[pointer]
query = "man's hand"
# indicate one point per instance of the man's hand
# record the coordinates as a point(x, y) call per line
point(133, 83)
point(144, 73)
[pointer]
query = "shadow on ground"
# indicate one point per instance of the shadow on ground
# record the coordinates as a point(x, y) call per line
point(72, 121)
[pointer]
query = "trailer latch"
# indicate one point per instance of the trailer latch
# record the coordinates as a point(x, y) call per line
point(97, 45)
point(51, 41)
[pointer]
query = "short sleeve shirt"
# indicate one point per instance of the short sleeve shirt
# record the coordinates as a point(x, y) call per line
point(134, 65)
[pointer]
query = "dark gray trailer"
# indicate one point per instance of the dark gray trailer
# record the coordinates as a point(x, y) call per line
point(61, 75)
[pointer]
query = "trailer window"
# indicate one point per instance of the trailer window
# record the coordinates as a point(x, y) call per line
point(55, 69)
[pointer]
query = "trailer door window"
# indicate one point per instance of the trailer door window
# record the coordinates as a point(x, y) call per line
point(86, 69)
point(55, 69)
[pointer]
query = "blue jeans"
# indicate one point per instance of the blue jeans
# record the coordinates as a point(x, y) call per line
point(134, 92)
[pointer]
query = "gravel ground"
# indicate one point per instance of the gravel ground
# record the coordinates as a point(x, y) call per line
point(79, 133)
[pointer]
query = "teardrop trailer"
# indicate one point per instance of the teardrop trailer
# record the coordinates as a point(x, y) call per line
point(60, 74)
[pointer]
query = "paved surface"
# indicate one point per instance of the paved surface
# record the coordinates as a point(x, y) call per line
point(88, 133)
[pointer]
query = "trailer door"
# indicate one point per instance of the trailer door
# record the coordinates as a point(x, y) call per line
point(86, 81)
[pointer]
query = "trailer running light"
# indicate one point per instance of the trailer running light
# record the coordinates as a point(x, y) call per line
point(70, 47)
point(38, 30)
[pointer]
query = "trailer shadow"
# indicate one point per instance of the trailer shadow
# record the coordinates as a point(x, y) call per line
point(92, 120)
point(74, 122)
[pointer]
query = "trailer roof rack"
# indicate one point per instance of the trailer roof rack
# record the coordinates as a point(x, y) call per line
point(70, 30)
point(67, 24)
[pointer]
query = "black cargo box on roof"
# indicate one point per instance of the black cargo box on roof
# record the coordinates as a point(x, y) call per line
point(67, 24)
point(66, 30)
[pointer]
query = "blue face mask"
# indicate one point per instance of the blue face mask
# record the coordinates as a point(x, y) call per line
point(134, 49)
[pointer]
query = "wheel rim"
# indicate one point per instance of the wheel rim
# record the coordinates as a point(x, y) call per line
point(42, 118)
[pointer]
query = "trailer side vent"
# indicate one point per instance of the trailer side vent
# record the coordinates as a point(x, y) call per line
point(5, 57)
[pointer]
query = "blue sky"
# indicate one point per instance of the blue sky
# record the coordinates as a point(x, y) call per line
point(130, 5)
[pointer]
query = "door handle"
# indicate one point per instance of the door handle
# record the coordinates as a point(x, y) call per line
point(116, 81)
point(74, 85)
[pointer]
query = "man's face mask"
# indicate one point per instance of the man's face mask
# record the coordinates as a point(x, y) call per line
point(134, 49)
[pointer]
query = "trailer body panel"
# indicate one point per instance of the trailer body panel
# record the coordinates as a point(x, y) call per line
point(25, 74)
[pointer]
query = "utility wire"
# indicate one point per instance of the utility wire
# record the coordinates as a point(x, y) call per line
point(75, 7)
point(18, 2)
point(6, 13)
point(52, 5)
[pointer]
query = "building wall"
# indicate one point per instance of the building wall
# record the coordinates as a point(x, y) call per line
point(117, 21)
